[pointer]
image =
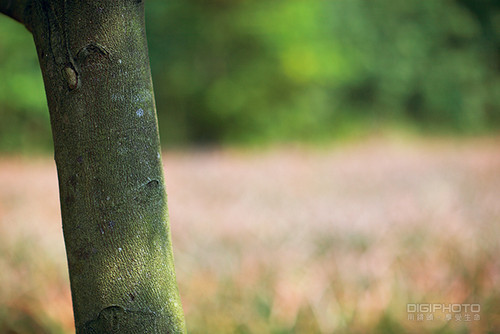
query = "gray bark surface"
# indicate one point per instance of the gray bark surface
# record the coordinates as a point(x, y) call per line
point(94, 61)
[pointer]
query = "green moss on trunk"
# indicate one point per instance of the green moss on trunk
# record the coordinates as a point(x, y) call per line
point(94, 61)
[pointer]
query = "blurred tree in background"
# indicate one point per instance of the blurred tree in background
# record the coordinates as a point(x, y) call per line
point(271, 71)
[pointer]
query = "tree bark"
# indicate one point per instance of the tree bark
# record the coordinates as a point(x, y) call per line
point(94, 61)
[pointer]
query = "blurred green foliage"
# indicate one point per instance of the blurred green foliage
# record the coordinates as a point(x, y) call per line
point(24, 119)
point(269, 71)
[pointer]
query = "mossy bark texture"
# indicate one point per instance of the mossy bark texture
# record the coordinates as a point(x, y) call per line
point(94, 60)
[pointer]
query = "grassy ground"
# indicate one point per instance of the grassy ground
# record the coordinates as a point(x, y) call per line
point(290, 240)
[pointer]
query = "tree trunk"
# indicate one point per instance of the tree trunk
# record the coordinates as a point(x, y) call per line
point(94, 60)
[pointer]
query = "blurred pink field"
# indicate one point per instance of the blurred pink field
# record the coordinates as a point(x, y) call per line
point(289, 240)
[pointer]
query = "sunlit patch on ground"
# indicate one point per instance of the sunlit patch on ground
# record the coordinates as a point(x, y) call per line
point(289, 240)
